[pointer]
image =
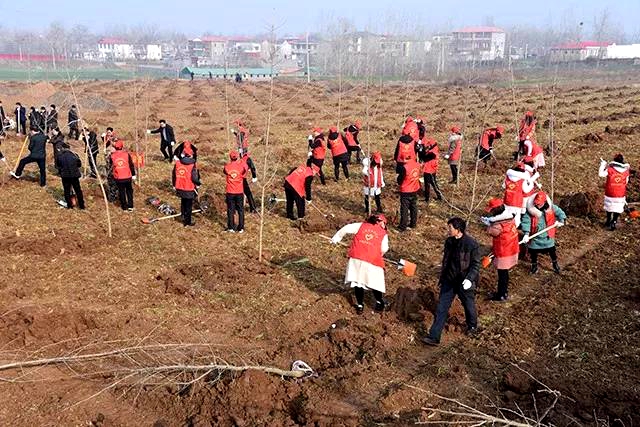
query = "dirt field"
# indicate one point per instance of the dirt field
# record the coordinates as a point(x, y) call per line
point(67, 289)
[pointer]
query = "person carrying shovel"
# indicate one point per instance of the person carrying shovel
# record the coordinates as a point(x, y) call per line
point(541, 214)
point(365, 269)
point(186, 179)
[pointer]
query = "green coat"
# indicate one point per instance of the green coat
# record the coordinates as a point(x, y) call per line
point(542, 241)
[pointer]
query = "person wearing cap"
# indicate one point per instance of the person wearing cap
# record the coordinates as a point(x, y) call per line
point(373, 180)
point(297, 187)
point(406, 148)
point(73, 123)
point(124, 173)
point(430, 155)
point(351, 136)
point(487, 141)
point(409, 185)
point(235, 171)
point(532, 152)
point(505, 247)
point(246, 159)
point(365, 268)
point(527, 129)
point(317, 151)
point(339, 153)
point(68, 164)
point(459, 276)
point(167, 139)
point(37, 154)
point(178, 152)
point(454, 153)
point(186, 179)
point(242, 136)
point(615, 188)
point(410, 127)
point(542, 213)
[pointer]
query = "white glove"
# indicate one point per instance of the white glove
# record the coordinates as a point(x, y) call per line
point(308, 202)
point(134, 177)
point(103, 134)
point(446, 156)
point(559, 224)
point(485, 220)
point(466, 284)
point(365, 162)
point(149, 131)
point(310, 138)
point(173, 143)
point(335, 240)
point(309, 154)
point(254, 179)
point(525, 239)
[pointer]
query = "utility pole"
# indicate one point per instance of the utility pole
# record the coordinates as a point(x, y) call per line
point(308, 67)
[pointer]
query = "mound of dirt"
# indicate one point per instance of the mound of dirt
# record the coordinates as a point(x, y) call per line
point(410, 302)
point(37, 94)
point(85, 101)
point(583, 205)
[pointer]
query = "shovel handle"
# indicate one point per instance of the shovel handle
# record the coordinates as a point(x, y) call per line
point(152, 220)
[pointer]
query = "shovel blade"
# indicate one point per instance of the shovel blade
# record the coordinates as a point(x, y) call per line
point(486, 261)
point(408, 268)
point(147, 221)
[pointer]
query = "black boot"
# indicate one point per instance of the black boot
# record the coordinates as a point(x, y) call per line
point(534, 268)
point(556, 267)
point(380, 306)
point(612, 226)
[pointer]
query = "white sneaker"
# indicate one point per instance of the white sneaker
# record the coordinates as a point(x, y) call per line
point(13, 174)
point(230, 230)
point(241, 231)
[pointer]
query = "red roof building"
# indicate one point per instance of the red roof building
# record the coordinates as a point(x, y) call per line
point(578, 51)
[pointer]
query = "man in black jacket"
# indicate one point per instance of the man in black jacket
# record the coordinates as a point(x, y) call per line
point(167, 139)
point(72, 122)
point(21, 119)
point(52, 118)
point(37, 154)
point(90, 139)
point(459, 276)
point(69, 164)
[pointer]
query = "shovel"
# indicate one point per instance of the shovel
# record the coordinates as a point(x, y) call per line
point(152, 220)
point(323, 214)
point(486, 260)
point(408, 268)
point(271, 202)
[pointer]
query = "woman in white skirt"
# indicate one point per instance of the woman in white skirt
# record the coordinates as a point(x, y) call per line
point(615, 188)
point(365, 269)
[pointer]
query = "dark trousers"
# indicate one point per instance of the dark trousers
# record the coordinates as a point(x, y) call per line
point(67, 184)
point(167, 150)
point(74, 132)
point(249, 194)
point(93, 163)
point(235, 203)
point(360, 296)
point(535, 252)
point(337, 162)
point(484, 155)
point(611, 216)
point(22, 127)
point(447, 294)
point(186, 206)
point(431, 180)
point(356, 149)
point(125, 193)
point(319, 163)
point(503, 283)
point(408, 207)
point(378, 204)
point(293, 197)
point(454, 173)
point(41, 165)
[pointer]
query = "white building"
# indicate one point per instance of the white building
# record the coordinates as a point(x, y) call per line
point(579, 51)
point(114, 48)
point(479, 43)
point(623, 51)
point(154, 52)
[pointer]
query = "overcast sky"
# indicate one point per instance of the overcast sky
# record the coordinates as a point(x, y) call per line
point(193, 17)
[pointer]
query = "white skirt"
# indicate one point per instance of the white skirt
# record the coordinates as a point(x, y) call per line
point(374, 191)
point(365, 275)
point(614, 204)
point(538, 161)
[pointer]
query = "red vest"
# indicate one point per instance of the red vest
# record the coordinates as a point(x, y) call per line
point(375, 176)
point(506, 243)
point(406, 151)
point(120, 162)
point(457, 151)
point(431, 166)
point(549, 217)
point(527, 131)
point(337, 146)
point(535, 150)
point(351, 141)
point(367, 243)
point(484, 141)
point(616, 185)
point(235, 172)
point(319, 152)
point(513, 195)
point(298, 177)
point(183, 176)
point(411, 128)
point(411, 182)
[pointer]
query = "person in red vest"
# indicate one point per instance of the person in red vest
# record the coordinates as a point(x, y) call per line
point(505, 247)
point(297, 187)
point(317, 151)
point(532, 152)
point(527, 128)
point(180, 149)
point(248, 162)
point(407, 148)
point(542, 213)
point(454, 153)
point(339, 153)
point(517, 183)
point(351, 136)
point(409, 182)
point(615, 188)
point(186, 179)
point(373, 180)
point(487, 140)
point(124, 172)
point(430, 157)
point(365, 269)
point(410, 127)
point(242, 136)
point(235, 171)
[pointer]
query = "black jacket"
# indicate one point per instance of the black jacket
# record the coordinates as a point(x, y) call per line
point(38, 145)
point(68, 164)
point(73, 118)
point(93, 142)
point(21, 114)
point(461, 260)
point(35, 120)
point(57, 142)
point(170, 137)
point(195, 178)
point(52, 119)
point(252, 167)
